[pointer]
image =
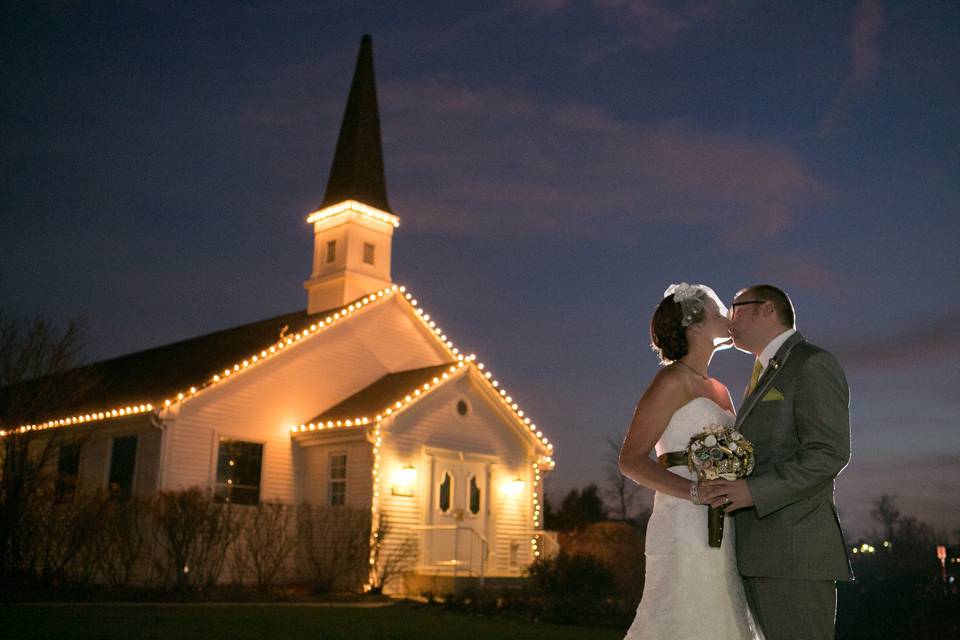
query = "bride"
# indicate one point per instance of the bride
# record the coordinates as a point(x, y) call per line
point(691, 590)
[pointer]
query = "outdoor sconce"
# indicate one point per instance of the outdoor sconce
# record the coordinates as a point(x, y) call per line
point(513, 487)
point(403, 481)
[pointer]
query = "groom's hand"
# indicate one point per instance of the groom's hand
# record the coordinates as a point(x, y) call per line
point(727, 495)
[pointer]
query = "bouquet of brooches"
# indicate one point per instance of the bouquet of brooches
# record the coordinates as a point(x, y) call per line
point(719, 452)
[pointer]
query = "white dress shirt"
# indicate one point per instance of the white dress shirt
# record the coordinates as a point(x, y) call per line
point(772, 347)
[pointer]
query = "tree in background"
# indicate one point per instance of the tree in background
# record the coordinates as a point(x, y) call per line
point(898, 591)
point(886, 513)
point(620, 491)
point(36, 376)
point(578, 509)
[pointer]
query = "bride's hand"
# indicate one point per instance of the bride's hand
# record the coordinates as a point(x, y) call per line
point(726, 495)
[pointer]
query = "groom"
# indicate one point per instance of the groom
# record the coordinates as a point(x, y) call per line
point(790, 548)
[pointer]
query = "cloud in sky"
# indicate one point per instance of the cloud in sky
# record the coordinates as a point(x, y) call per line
point(643, 25)
point(928, 340)
point(867, 24)
point(796, 269)
point(458, 152)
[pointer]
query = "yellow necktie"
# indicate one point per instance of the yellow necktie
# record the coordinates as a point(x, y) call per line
point(757, 368)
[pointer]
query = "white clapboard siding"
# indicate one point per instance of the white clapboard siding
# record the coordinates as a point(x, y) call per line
point(262, 403)
point(95, 451)
point(316, 471)
point(147, 466)
point(434, 424)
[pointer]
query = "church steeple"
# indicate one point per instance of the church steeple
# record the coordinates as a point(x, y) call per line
point(353, 229)
point(357, 169)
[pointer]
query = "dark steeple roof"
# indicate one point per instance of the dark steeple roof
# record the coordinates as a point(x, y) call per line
point(357, 170)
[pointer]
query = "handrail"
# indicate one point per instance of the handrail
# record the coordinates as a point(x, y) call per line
point(455, 562)
point(447, 527)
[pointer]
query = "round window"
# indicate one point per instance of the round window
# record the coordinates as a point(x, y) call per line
point(462, 407)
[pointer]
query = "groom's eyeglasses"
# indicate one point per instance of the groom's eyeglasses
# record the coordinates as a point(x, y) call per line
point(734, 305)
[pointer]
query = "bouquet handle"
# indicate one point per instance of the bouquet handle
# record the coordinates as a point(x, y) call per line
point(715, 526)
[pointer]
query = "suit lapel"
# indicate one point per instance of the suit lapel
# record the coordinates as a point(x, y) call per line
point(769, 374)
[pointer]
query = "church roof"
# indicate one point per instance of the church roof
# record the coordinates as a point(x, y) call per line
point(163, 372)
point(181, 370)
point(382, 394)
point(357, 170)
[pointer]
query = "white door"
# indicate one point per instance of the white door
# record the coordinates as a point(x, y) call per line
point(458, 514)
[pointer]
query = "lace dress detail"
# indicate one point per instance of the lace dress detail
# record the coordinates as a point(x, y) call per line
point(691, 590)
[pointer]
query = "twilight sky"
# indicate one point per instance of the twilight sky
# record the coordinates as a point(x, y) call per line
point(555, 165)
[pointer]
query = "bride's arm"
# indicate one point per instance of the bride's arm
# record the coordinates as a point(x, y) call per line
point(664, 396)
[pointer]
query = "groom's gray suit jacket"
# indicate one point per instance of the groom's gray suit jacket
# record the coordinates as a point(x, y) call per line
point(798, 420)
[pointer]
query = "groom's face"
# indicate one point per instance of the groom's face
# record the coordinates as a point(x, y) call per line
point(746, 320)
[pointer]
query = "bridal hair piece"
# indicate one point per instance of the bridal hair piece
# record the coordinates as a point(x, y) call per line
point(692, 298)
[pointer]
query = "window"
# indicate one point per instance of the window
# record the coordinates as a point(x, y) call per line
point(446, 486)
point(122, 459)
point(68, 469)
point(514, 553)
point(474, 495)
point(331, 251)
point(368, 252)
point(238, 472)
point(462, 408)
point(338, 479)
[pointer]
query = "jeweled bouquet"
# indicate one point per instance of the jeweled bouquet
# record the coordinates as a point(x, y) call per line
point(719, 452)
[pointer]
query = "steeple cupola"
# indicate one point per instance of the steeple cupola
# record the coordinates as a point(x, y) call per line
point(353, 228)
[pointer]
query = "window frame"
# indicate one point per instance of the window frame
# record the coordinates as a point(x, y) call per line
point(446, 473)
point(373, 250)
point(228, 485)
point(108, 481)
point(473, 478)
point(339, 482)
point(331, 253)
point(456, 408)
point(60, 488)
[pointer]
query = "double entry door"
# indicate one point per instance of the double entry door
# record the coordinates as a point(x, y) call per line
point(458, 513)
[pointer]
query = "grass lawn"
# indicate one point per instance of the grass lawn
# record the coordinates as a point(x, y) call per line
point(186, 622)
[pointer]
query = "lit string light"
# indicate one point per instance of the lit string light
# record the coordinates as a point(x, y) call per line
point(357, 207)
point(545, 462)
point(276, 348)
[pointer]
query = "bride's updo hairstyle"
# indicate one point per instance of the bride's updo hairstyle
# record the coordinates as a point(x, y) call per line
point(667, 333)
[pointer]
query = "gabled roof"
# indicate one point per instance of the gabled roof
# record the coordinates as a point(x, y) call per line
point(357, 170)
point(232, 343)
point(133, 383)
point(394, 393)
point(382, 394)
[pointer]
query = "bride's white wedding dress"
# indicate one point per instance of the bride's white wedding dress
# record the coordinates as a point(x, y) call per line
point(691, 590)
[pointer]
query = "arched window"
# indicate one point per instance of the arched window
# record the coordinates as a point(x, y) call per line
point(474, 495)
point(446, 490)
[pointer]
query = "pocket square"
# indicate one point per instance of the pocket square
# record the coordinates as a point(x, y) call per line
point(772, 395)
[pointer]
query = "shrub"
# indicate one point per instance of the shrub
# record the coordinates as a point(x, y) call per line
point(391, 557)
point(193, 535)
point(334, 543)
point(613, 542)
point(574, 589)
point(120, 538)
point(266, 540)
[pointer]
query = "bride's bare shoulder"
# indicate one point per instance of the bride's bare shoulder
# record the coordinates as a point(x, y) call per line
point(722, 395)
point(669, 386)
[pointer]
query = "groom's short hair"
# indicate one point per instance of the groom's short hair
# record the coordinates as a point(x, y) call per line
point(782, 305)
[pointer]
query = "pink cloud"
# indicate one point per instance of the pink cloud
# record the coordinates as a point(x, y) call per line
point(527, 165)
point(867, 24)
point(644, 25)
point(800, 270)
point(928, 340)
